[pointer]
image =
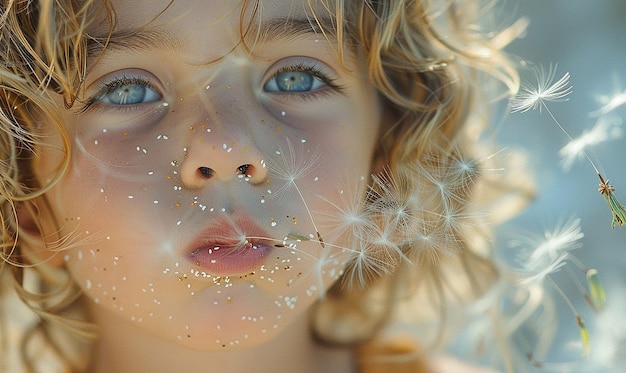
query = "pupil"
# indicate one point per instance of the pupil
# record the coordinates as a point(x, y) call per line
point(130, 95)
point(294, 81)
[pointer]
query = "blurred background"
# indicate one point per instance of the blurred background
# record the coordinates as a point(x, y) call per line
point(586, 38)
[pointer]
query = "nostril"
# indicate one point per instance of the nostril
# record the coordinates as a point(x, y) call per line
point(245, 170)
point(206, 172)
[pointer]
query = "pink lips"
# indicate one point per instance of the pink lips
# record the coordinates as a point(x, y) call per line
point(234, 245)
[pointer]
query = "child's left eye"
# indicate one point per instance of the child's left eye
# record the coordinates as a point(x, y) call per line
point(299, 78)
point(294, 82)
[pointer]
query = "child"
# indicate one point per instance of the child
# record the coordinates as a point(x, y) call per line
point(186, 184)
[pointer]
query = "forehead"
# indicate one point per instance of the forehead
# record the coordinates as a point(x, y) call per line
point(202, 21)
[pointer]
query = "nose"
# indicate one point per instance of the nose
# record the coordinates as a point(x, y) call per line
point(208, 159)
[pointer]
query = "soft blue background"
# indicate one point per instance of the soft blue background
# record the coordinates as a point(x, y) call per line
point(586, 38)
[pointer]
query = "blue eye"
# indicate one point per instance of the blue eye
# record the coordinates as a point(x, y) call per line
point(294, 81)
point(127, 91)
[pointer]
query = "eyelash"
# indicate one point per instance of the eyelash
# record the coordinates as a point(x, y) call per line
point(315, 72)
point(113, 84)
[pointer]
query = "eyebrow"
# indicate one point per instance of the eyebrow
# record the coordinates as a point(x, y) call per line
point(131, 40)
point(157, 38)
point(288, 28)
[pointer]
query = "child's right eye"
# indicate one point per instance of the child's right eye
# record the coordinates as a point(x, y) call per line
point(126, 91)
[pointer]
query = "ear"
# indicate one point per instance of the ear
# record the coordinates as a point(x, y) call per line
point(37, 232)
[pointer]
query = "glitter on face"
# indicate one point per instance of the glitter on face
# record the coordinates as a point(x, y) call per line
point(254, 233)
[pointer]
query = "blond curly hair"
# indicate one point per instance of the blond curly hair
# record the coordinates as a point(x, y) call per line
point(434, 68)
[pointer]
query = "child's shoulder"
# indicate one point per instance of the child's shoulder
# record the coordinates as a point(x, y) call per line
point(403, 354)
point(398, 353)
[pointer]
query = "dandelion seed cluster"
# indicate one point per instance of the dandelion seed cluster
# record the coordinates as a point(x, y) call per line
point(397, 224)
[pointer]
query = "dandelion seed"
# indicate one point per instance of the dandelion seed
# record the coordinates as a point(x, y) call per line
point(563, 238)
point(584, 335)
point(606, 128)
point(533, 97)
point(537, 273)
point(619, 213)
point(584, 332)
point(549, 251)
point(598, 296)
point(365, 266)
point(347, 217)
point(392, 201)
point(292, 168)
point(546, 89)
point(610, 102)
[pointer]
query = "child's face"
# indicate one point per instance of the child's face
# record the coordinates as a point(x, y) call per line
point(203, 173)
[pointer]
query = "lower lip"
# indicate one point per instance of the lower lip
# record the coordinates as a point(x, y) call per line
point(224, 260)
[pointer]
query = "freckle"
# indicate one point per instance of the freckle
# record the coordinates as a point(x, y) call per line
point(277, 128)
point(228, 87)
point(125, 133)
